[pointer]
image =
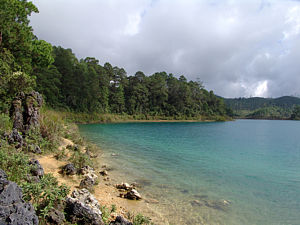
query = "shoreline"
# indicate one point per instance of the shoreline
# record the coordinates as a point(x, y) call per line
point(105, 191)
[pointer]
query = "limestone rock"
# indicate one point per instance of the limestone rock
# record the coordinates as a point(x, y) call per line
point(89, 177)
point(37, 169)
point(25, 111)
point(32, 104)
point(87, 182)
point(124, 186)
point(13, 209)
point(69, 169)
point(133, 195)
point(120, 221)
point(15, 138)
point(83, 208)
point(55, 217)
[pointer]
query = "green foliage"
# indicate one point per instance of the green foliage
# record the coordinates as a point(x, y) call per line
point(105, 214)
point(139, 219)
point(14, 163)
point(86, 86)
point(44, 195)
point(5, 123)
point(51, 128)
point(263, 108)
point(80, 159)
point(296, 113)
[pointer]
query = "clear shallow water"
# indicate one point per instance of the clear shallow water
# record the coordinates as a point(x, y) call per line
point(253, 164)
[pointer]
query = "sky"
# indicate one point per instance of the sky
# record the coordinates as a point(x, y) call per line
point(237, 48)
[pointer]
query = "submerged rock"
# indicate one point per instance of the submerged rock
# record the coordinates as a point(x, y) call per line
point(13, 209)
point(69, 169)
point(120, 221)
point(83, 208)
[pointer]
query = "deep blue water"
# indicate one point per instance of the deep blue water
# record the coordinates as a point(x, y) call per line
point(253, 164)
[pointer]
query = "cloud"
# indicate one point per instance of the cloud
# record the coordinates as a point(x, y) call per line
point(237, 48)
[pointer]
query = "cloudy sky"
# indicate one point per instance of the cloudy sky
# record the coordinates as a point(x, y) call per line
point(236, 47)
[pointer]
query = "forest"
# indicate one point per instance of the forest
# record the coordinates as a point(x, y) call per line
point(83, 85)
point(286, 107)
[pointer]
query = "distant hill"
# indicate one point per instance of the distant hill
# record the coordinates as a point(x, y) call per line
point(263, 108)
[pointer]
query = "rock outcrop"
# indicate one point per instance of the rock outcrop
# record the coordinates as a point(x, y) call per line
point(120, 221)
point(55, 217)
point(131, 192)
point(89, 177)
point(13, 209)
point(69, 169)
point(83, 208)
point(25, 111)
point(15, 138)
point(36, 170)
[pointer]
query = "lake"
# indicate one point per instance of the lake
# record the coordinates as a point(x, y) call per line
point(239, 172)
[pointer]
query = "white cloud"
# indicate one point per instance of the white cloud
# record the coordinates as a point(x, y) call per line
point(237, 48)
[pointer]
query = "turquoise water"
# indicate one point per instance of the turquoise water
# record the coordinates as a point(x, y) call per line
point(191, 168)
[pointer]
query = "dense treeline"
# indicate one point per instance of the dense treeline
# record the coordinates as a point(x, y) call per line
point(86, 86)
point(285, 107)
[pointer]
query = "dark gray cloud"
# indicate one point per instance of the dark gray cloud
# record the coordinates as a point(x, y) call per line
point(237, 48)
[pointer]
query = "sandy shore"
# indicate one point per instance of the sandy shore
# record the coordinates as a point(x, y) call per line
point(105, 192)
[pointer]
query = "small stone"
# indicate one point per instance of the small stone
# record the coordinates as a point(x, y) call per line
point(103, 173)
point(124, 186)
point(120, 221)
point(69, 169)
point(133, 195)
point(87, 182)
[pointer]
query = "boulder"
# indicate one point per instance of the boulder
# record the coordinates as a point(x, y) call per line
point(13, 209)
point(89, 176)
point(69, 169)
point(87, 182)
point(83, 208)
point(15, 138)
point(133, 195)
point(103, 173)
point(55, 217)
point(120, 221)
point(37, 169)
point(86, 170)
point(124, 186)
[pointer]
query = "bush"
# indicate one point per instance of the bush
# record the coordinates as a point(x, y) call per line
point(80, 159)
point(45, 195)
point(14, 163)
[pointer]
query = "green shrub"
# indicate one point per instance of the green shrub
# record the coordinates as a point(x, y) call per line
point(45, 195)
point(14, 163)
point(80, 159)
